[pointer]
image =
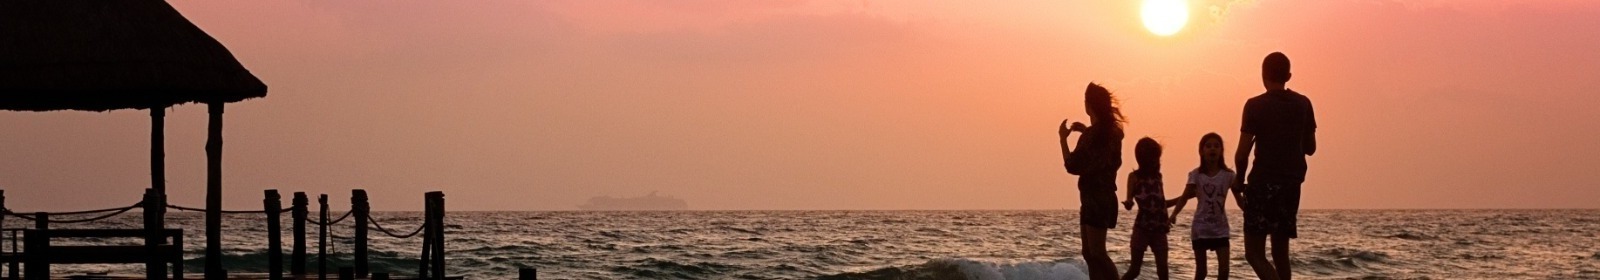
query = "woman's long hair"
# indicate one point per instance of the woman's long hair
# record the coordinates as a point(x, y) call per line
point(1221, 162)
point(1103, 105)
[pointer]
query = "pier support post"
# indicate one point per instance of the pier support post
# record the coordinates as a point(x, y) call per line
point(297, 258)
point(38, 244)
point(272, 203)
point(322, 238)
point(527, 273)
point(362, 213)
point(155, 268)
point(438, 226)
point(214, 192)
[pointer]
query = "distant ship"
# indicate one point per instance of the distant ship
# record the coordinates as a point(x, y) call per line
point(651, 202)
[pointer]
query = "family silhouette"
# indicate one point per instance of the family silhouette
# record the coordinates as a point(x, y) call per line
point(1278, 126)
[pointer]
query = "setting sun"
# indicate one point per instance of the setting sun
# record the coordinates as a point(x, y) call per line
point(1164, 17)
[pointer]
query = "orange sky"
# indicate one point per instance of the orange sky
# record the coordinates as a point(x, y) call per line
point(539, 105)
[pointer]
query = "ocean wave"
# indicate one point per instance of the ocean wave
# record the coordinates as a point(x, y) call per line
point(653, 268)
point(1356, 254)
point(968, 269)
point(256, 262)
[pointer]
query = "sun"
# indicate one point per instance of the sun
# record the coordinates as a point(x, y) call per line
point(1164, 17)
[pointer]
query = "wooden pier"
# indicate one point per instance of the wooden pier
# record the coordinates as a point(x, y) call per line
point(163, 247)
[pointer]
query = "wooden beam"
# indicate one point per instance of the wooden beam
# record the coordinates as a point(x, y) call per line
point(214, 193)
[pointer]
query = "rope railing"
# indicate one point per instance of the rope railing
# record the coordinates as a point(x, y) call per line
point(182, 208)
point(379, 227)
point(113, 212)
point(331, 223)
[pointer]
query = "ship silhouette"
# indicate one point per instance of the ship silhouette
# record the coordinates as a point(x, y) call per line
point(651, 202)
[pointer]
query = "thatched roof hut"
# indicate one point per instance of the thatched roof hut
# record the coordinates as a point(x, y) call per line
point(108, 55)
point(133, 54)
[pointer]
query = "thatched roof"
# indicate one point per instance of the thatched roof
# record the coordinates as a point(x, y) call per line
point(107, 55)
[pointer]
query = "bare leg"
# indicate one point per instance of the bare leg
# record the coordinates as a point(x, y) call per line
point(1223, 262)
point(1199, 264)
point(1161, 263)
point(1280, 256)
point(1135, 265)
point(1094, 253)
point(1255, 252)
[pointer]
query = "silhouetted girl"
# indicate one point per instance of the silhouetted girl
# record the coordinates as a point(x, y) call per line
point(1096, 161)
point(1210, 183)
point(1150, 226)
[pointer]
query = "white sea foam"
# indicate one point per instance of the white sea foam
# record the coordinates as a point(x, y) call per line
point(1025, 270)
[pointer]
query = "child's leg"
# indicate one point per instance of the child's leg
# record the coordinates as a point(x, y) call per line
point(1199, 262)
point(1137, 262)
point(1160, 248)
point(1223, 262)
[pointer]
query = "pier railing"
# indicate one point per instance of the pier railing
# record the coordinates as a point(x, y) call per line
point(36, 254)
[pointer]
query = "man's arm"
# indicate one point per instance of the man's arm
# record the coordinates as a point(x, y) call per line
point(1241, 156)
point(1310, 144)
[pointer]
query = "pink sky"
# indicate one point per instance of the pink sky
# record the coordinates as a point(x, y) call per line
point(539, 105)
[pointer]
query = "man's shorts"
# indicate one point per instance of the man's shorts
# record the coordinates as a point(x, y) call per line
point(1098, 207)
point(1271, 209)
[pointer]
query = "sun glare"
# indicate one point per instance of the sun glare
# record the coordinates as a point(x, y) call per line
point(1164, 17)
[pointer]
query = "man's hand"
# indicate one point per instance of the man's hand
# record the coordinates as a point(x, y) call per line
point(1128, 204)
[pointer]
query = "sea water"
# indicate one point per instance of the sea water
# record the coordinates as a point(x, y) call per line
point(1333, 244)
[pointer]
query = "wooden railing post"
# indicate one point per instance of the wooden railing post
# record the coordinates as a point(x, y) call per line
point(438, 227)
point(527, 273)
point(427, 238)
point(154, 204)
point(322, 238)
point(297, 258)
point(272, 203)
point(12, 265)
point(360, 209)
point(38, 245)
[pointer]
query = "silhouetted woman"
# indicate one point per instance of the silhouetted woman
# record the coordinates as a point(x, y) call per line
point(1096, 161)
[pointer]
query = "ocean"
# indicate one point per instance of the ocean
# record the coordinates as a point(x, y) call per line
point(1333, 244)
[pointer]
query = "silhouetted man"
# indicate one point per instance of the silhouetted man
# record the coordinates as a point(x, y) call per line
point(1281, 128)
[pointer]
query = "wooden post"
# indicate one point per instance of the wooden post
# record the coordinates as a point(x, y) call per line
point(177, 266)
point(427, 246)
point(155, 267)
point(427, 239)
point(214, 193)
point(527, 273)
point(272, 203)
point(347, 273)
point(155, 215)
point(380, 276)
point(297, 258)
point(38, 245)
point(438, 227)
point(362, 213)
point(12, 267)
point(322, 238)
